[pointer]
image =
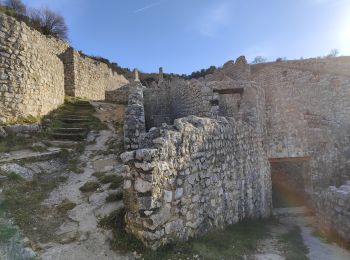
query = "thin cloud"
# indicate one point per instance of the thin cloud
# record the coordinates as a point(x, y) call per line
point(214, 19)
point(148, 6)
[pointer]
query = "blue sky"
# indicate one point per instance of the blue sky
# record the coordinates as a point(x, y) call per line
point(187, 35)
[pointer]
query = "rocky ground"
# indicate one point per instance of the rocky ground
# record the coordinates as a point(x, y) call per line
point(80, 236)
point(84, 189)
point(293, 235)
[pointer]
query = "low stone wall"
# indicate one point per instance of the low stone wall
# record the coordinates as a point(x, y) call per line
point(198, 175)
point(333, 210)
point(31, 74)
point(119, 96)
point(88, 78)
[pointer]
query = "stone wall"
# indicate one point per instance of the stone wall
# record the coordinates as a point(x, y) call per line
point(31, 74)
point(333, 212)
point(36, 72)
point(134, 122)
point(88, 78)
point(178, 98)
point(333, 65)
point(175, 99)
point(198, 175)
point(308, 115)
point(119, 96)
point(158, 107)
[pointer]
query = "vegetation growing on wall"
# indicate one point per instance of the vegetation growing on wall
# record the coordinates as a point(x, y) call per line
point(43, 20)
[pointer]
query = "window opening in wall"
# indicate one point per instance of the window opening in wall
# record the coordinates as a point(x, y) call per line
point(229, 101)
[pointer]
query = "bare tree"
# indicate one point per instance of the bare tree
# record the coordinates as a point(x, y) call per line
point(333, 53)
point(49, 22)
point(17, 6)
point(259, 59)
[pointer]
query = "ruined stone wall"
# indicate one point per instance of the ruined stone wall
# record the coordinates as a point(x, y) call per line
point(333, 212)
point(69, 75)
point(334, 65)
point(187, 98)
point(31, 74)
point(158, 107)
point(308, 115)
point(175, 99)
point(198, 175)
point(134, 122)
point(119, 96)
point(91, 78)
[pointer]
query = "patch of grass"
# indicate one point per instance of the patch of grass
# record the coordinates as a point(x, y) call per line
point(118, 125)
point(89, 186)
point(39, 149)
point(105, 178)
point(122, 240)
point(13, 177)
point(13, 143)
point(62, 178)
point(231, 243)
point(65, 206)
point(22, 200)
point(22, 120)
point(115, 197)
point(6, 232)
point(117, 182)
point(75, 166)
point(74, 107)
point(294, 247)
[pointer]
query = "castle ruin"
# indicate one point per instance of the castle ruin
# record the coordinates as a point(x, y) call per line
point(202, 154)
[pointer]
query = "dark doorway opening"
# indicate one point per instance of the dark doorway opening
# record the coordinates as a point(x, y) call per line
point(290, 182)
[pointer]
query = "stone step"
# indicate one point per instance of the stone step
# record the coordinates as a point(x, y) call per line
point(71, 115)
point(30, 156)
point(70, 130)
point(82, 104)
point(68, 136)
point(74, 120)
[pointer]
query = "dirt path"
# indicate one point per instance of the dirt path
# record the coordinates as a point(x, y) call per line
point(80, 237)
point(319, 249)
point(273, 248)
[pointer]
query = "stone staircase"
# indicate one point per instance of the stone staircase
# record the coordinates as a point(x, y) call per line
point(72, 124)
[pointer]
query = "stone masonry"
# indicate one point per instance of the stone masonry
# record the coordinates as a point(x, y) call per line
point(333, 210)
point(296, 110)
point(198, 175)
point(88, 78)
point(201, 173)
point(36, 72)
point(198, 150)
point(31, 74)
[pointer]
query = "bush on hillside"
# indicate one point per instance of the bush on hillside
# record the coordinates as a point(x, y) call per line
point(43, 20)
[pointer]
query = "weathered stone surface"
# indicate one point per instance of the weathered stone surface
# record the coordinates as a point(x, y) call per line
point(15, 129)
point(202, 169)
point(333, 213)
point(89, 78)
point(23, 172)
point(142, 186)
point(127, 156)
point(36, 72)
point(32, 75)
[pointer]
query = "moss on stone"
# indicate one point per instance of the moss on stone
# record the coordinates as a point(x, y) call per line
point(115, 197)
point(89, 186)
